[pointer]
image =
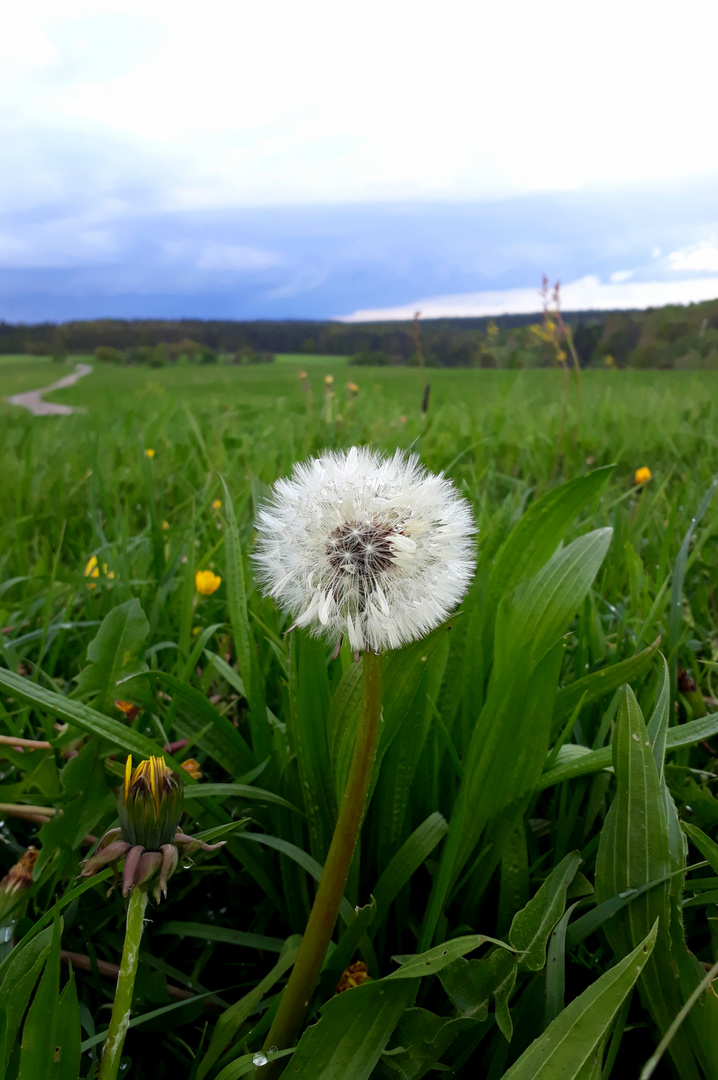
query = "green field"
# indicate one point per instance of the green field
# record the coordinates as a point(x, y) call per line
point(491, 737)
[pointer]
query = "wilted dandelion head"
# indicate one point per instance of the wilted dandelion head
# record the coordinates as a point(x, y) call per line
point(377, 549)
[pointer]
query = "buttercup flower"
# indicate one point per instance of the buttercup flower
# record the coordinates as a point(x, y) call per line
point(150, 808)
point(376, 548)
point(643, 475)
point(92, 570)
point(206, 582)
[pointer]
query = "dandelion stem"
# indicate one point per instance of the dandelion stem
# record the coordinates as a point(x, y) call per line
point(323, 916)
point(120, 1020)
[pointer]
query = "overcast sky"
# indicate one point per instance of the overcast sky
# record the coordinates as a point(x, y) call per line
point(332, 160)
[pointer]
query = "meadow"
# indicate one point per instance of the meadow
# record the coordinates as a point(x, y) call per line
point(543, 801)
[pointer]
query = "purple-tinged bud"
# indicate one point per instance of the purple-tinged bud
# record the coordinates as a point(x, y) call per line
point(103, 856)
point(149, 864)
point(132, 862)
point(191, 844)
point(170, 858)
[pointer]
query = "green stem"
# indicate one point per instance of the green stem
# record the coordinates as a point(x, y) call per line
point(323, 916)
point(120, 1020)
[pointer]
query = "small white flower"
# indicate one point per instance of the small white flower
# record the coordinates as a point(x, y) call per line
point(377, 549)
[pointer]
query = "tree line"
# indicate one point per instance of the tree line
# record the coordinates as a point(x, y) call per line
point(674, 336)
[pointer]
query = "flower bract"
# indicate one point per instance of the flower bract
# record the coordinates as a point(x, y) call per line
point(374, 548)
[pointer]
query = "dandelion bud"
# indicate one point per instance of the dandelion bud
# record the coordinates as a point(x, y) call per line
point(151, 804)
point(150, 808)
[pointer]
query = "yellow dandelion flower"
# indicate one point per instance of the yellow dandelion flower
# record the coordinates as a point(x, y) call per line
point(217, 504)
point(207, 582)
point(149, 452)
point(329, 380)
point(165, 525)
point(643, 475)
point(352, 387)
point(302, 375)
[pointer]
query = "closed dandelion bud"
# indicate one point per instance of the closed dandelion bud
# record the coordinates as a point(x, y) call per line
point(151, 804)
point(150, 808)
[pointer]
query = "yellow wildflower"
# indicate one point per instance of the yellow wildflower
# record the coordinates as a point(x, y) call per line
point(207, 582)
point(196, 631)
point(92, 570)
point(353, 388)
point(217, 504)
point(149, 452)
point(354, 975)
point(329, 380)
point(131, 711)
point(302, 374)
point(643, 475)
point(165, 525)
point(192, 767)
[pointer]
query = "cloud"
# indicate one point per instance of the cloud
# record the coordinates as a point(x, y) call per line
point(587, 293)
point(702, 256)
point(242, 104)
point(621, 275)
point(216, 256)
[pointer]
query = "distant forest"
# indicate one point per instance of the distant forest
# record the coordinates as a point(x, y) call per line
point(669, 337)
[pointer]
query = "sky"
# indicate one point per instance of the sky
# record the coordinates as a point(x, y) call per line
point(321, 160)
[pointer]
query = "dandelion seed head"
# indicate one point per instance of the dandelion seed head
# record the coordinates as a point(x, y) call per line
point(375, 549)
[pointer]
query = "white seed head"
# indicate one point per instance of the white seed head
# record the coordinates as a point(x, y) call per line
point(377, 549)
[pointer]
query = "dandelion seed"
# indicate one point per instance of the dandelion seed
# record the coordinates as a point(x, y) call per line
point(375, 549)
point(206, 582)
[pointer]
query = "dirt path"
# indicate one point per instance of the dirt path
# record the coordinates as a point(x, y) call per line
point(33, 399)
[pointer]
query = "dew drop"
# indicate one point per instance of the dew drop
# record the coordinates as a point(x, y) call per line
point(260, 1059)
point(273, 1049)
